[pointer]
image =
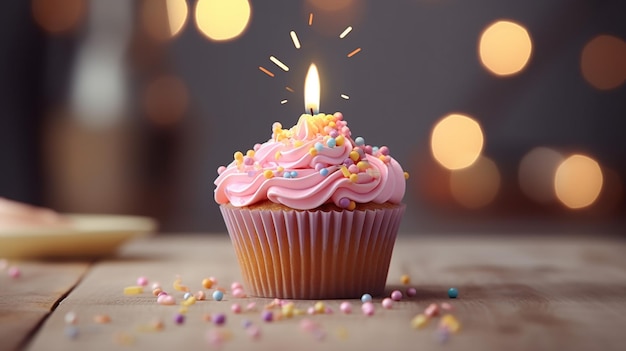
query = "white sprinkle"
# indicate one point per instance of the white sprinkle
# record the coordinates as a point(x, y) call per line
point(294, 38)
point(345, 96)
point(279, 64)
point(345, 32)
point(282, 102)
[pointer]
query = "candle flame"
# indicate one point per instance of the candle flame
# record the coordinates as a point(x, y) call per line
point(312, 90)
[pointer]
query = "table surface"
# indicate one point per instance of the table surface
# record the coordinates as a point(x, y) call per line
point(520, 293)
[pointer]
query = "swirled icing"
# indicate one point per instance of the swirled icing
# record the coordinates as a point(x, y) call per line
point(313, 163)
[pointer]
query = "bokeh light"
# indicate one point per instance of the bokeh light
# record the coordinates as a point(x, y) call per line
point(505, 48)
point(456, 141)
point(331, 5)
point(536, 173)
point(476, 186)
point(163, 19)
point(58, 16)
point(222, 20)
point(603, 62)
point(165, 100)
point(578, 181)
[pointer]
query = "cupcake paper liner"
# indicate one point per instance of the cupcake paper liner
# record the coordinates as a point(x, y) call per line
point(313, 254)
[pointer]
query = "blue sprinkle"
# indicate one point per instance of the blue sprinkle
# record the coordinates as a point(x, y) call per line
point(324, 172)
point(374, 149)
point(319, 147)
point(453, 293)
point(331, 142)
point(218, 295)
point(294, 174)
point(286, 175)
point(366, 298)
point(359, 141)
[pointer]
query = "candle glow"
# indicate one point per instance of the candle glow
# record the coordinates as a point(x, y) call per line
point(312, 90)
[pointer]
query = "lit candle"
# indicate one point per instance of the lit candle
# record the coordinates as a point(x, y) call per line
point(312, 91)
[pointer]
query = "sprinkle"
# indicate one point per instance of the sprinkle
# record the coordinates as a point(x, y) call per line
point(345, 32)
point(71, 332)
point(432, 310)
point(157, 291)
point(200, 295)
point(406, 175)
point(396, 295)
point(318, 146)
point(71, 318)
point(267, 316)
point(266, 71)
point(331, 142)
point(251, 306)
point(218, 295)
point(187, 295)
point(312, 152)
point(384, 150)
point(453, 293)
point(236, 308)
point(354, 178)
point(446, 306)
point(449, 322)
point(219, 318)
point(311, 19)
point(288, 310)
point(239, 293)
point(419, 321)
point(354, 52)
point(268, 174)
point(179, 318)
point(344, 96)
point(344, 202)
point(340, 140)
point(362, 165)
point(14, 272)
point(289, 89)
point(102, 319)
point(345, 307)
point(183, 308)
point(279, 63)
point(162, 293)
point(387, 303)
point(133, 290)
point(366, 298)
point(177, 282)
point(294, 174)
point(238, 156)
point(142, 281)
point(324, 172)
point(359, 141)
point(254, 332)
point(282, 102)
point(352, 206)
point(189, 301)
point(354, 156)
point(368, 308)
point(319, 307)
point(294, 38)
point(411, 292)
point(345, 171)
point(166, 300)
point(310, 310)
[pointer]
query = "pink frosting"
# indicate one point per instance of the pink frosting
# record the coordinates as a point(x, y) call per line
point(313, 163)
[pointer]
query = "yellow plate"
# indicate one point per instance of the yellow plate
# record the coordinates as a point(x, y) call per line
point(88, 236)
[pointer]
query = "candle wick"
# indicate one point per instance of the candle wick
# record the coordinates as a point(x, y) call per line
point(311, 111)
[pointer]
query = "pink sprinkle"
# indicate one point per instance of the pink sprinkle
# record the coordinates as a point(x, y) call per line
point(346, 307)
point(432, 310)
point(368, 308)
point(254, 332)
point(239, 293)
point(353, 169)
point(236, 308)
point(156, 285)
point(329, 310)
point(396, 295)
point(200, 295)
point(142, 281)
point(310, 310)
point(411, 292)
point(446, 306)
point(236, 285)
point(384, 150)
point(338, 116)
point(221, 169)
point(14, 272)
point(166, 300)
point(162, 293)
point(251, 306)
point(257, 146)
point(387, 303)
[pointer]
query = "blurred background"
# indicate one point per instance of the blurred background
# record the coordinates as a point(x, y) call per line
point(508, 115)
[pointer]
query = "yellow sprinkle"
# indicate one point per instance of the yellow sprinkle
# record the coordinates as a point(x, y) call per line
point(238, 156)
point(277, 155)
point(183, 309)
point(382, 158)
point(250, 153)
point(340, 140)
point(297, 143)
point(354, 156)
point(345, 171)
point(363, 165)
point(332, 124)
point(288, 310)
point(419, 321)
point(319, 307)
point(268, 174)
point(352, 206)
point(450, 322)
point(178, 286)
point(190, 301)
point(354, 178)
point(312, 151)
point(207, 283)
point(280, 168)
point(404, 279)
point(133, 290)
point(406, 175)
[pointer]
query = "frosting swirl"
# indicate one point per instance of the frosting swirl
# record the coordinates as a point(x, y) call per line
point(313, 163)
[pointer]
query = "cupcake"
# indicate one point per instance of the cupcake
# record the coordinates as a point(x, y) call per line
point(312, 213)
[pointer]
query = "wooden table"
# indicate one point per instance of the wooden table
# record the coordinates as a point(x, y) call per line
point(521, 293)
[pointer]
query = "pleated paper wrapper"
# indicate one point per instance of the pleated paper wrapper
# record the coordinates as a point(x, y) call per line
point(313, 254)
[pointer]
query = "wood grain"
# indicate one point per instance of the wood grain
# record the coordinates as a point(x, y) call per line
point(528, 293)
point(26, 301)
